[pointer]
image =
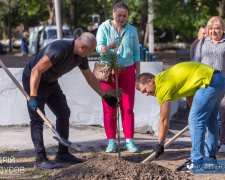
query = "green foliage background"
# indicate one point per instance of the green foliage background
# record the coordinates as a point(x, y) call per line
point(180, 17)
point(184, 18)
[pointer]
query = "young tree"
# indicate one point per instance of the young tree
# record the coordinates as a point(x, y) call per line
point(111, 61)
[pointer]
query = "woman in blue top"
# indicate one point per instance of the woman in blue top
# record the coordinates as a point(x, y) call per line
point(108, 37)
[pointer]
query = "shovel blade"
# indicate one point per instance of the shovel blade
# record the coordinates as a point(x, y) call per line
point(67, 143)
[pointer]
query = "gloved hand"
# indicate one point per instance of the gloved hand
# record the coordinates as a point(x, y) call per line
point(158, 149)
point(33, 103)
point(110, 100)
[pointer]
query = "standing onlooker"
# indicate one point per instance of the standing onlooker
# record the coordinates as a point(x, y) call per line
point(201, 34)
point(211, 51)
point(108, 36)
point(24, 44)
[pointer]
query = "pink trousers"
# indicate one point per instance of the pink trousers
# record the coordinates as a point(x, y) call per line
point(126, 81)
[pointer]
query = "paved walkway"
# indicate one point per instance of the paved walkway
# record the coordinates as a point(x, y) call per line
point(87, 137)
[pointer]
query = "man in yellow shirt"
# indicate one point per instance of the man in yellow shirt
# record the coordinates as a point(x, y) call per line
point(204, 88)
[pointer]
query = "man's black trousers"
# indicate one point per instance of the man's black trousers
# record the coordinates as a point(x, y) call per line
point(52, 95)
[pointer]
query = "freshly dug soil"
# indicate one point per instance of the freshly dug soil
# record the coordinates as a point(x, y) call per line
point(111, 167)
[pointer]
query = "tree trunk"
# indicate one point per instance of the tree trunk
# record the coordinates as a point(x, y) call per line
point(73, 16)
point(25, 18)
point(143, 21)
point(9, 24)
point(51, 10)
point(146, 36)
point(105, 10)
point(116, 1)
point(221, 8)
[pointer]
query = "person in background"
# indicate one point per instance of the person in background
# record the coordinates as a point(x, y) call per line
point(204, 88)
point(108, 36)
point(40, 81)
point(211, 51)
point(24, 44)
point(201, 34)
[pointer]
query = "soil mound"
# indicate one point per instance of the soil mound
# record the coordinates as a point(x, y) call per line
point(110, 167)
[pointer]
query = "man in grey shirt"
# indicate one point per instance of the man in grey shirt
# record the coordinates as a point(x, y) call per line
point(201, 34)
point(40, 80)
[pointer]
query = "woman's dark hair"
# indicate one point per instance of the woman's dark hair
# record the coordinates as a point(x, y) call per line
point(121, 5)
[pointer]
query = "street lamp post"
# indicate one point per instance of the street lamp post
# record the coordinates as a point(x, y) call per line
point(58, 19)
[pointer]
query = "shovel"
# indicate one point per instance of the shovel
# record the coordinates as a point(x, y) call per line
point(57, 137)
point(152, 156)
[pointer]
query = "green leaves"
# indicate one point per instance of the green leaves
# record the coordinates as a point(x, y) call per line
point(111, 60)
point(113, 92)
point(183, 18)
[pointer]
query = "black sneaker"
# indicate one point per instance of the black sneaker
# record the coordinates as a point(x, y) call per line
point(46, 164)
point(186, 167)
point(67, 158)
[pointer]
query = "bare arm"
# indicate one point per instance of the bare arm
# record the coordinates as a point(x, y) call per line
point(164, 120)
point(105, 49)
point(189, 100)
point(43, 65)
point(93, 82)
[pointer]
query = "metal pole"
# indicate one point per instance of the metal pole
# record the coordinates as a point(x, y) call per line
point(58, 18)
point(151, 28)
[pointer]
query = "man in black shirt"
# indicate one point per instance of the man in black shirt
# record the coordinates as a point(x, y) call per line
point(40, 80)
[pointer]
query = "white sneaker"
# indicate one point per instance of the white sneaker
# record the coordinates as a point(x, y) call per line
point(222, 149)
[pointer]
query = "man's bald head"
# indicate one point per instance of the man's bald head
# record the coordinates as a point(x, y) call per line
point(85, 44)
point(87, 39)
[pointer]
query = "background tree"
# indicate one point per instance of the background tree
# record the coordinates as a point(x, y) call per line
point(82, 15)
point(178, 17)
point(9, 24)
point(73, 14)
point(105, 9)
point(143, 20)
point(222, 8)
point(10, 5)
point(22, 12)
point(51, 10)
point(116, 1)
point(23, 6)
point(183, 18)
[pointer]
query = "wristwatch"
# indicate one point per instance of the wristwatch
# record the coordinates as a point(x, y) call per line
point(161, 143)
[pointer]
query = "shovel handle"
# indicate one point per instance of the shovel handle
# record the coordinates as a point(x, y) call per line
point(152, 156)
point(24, 93)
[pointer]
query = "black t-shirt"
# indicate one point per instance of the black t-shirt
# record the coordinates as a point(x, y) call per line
point(61, 55)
